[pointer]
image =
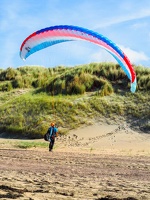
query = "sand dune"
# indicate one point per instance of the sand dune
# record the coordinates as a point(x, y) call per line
point(120, 139)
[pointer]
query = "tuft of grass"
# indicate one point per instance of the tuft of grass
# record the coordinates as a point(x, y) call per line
point(27, 145)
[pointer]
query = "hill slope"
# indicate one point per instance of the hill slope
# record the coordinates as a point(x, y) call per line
point(32, 97)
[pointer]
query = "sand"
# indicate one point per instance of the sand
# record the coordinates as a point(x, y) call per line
point(95, 162)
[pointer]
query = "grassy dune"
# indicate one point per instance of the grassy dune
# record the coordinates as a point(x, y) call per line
point(32, 97)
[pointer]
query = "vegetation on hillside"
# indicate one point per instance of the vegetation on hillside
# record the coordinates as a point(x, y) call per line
point(31, 97)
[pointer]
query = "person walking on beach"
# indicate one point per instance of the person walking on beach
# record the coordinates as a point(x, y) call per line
point(53, 132)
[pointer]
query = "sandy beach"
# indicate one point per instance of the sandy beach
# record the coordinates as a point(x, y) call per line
point(98, 162)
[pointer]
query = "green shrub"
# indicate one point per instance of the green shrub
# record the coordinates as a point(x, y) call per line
point(18, 82)
point(106, 89)
point(8, 74)
point(76, 88)
point(6, 86)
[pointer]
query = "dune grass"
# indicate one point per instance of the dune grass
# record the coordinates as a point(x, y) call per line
point(71, 97)
point(29, 144)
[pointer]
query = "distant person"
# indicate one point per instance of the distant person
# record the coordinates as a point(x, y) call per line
point(53, 132)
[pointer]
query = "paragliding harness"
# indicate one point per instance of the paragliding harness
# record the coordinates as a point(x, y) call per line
point(50, 134)
point(46, 136)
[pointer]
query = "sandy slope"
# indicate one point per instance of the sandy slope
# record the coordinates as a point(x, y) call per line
point(110, 139)
point(97, 162)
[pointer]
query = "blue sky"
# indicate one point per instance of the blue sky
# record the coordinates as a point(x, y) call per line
point(126, 23)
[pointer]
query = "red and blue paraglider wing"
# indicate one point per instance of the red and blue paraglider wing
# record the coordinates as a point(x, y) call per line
point(57, 34)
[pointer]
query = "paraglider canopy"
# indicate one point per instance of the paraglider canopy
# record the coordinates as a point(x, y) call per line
point(62, 33)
